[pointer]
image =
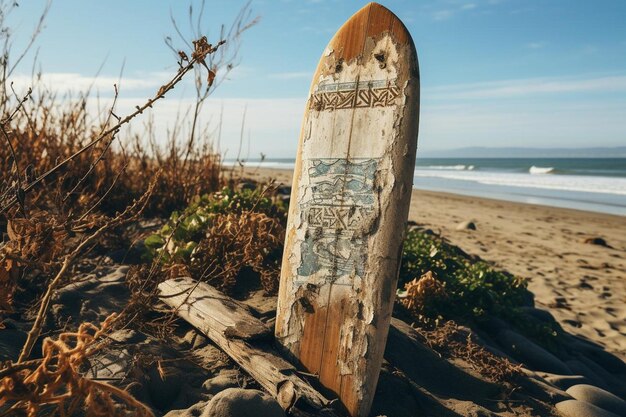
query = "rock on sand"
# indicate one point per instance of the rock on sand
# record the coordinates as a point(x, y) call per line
point(596, 241)
point(523, 350)
point(575, 408)
point(237, 402)
point(565, 381)
point(598, 397)
point(227, 378)
point(468, 225)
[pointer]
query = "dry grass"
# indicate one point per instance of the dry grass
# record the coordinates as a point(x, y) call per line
point(64, 172)
point(35, 242)
point(420, 298)
point(454, 341)
point(44, 133)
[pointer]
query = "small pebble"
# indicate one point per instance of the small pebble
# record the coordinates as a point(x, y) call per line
point(469, 225)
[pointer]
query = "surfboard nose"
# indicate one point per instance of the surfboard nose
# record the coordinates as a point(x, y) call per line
point(373, 4)
point(356, 38)
point(376, 8)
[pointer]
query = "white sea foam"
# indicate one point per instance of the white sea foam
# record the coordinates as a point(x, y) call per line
point(579, 183)
point(541, 170)
point(530, 179)
point(449, 167)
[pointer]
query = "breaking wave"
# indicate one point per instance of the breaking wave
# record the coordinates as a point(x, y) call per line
point(541, 170)
point(450, 167)
point(580, 183)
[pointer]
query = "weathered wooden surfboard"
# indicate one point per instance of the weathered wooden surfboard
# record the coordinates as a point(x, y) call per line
point(349, 204)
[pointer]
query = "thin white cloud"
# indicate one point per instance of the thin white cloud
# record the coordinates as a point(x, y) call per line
point(273, 125)
point(451, 8)
point(528, 87)
point(73, 82)
point(290, 75)
point(577, 124)
point(318, 30)
point(146, 84)
point(588, 49)
point(535, 45)
point(240, 72)
point(443, 14)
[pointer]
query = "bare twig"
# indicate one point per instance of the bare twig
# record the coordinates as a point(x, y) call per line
point(19, 190)
point(101, 199)
point(202, 50)
point(129, 214)
point(104, 151)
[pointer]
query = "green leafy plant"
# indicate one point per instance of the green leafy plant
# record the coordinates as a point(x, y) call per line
point(470, 288)
point(232, 239)
point(182, 233)
point(473, 286)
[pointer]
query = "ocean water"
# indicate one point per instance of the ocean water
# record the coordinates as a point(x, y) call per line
point(592, 184)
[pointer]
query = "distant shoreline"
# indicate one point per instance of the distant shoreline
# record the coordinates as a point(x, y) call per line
point(564, 184)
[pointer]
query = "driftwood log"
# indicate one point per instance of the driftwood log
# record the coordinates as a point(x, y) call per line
point(247, 340)
point(233, 327)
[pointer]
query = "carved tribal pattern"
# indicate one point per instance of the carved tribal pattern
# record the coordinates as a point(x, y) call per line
point(342, 198)
point(333, 96)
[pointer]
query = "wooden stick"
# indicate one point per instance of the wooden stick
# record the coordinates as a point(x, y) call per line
point(232, 326)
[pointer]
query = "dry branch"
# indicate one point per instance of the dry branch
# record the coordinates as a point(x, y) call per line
point(131, 213)
point(202, 50)
point(231, 326)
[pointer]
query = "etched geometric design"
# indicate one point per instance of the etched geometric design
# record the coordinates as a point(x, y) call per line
point(342, 199)
point(365, 94)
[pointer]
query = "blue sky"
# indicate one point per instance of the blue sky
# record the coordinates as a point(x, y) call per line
point(533, 73)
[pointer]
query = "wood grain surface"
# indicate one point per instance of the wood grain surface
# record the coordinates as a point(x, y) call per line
point(233, 327)
point(349, 205)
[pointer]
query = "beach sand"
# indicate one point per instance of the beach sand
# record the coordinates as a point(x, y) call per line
point(582, 284)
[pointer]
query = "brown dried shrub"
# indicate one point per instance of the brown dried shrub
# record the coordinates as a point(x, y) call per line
point(420, 299)
point(57, 387)
point(49, 130)
point(34, 248)
point(142, 281)
point(236, 244)
point(8, 286)
point(40, 237)
point(36, 240)
point(420, 294)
